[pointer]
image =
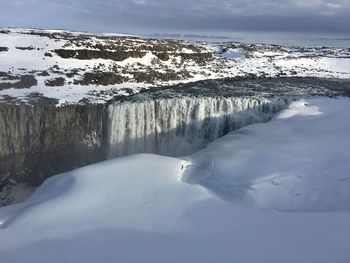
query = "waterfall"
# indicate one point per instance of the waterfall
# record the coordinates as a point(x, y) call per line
point(181, 125)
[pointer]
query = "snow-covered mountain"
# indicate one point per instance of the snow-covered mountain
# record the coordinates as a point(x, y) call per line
point(72, 66)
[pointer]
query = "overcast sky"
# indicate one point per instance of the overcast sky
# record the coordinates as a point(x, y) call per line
point(135, 16)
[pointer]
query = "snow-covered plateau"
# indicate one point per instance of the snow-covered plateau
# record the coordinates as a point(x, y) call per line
point(271, 192)
point(72, 67)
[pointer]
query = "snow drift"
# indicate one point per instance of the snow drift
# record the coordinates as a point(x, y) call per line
point(299, 161)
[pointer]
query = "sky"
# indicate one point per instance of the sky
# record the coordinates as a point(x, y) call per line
point(135, 16)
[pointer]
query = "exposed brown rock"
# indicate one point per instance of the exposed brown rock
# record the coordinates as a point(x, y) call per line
point(48, 54)
point(55, 82)
point(25, 81)
point(85, 54)
point(100, 78)
point(26, 48)
point(152, 76)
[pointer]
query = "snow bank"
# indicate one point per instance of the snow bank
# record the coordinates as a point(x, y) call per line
point(299, 161)
point(236, 53)
point(137, 208)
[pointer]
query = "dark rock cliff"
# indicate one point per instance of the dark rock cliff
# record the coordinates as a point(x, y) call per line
point(40, 139)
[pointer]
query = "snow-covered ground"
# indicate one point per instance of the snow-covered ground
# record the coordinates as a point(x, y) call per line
point(226, 203)
point(33, 52)
point(297, 162)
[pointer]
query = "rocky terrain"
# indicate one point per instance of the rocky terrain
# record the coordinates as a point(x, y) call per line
point(71, 66)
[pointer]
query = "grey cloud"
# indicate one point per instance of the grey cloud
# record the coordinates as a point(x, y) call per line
point(182, 15)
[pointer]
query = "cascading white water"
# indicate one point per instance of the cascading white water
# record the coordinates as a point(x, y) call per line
point(180, 126)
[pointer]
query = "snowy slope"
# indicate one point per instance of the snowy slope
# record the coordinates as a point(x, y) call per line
point(98, 67)
point(139, 209)
point(299, 161)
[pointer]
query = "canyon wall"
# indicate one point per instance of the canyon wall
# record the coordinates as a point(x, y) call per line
point(38, 140)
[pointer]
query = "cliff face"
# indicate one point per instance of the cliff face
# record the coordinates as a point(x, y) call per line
point(40, 139)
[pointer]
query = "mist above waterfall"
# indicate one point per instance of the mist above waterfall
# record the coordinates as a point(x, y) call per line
point(181, 125)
